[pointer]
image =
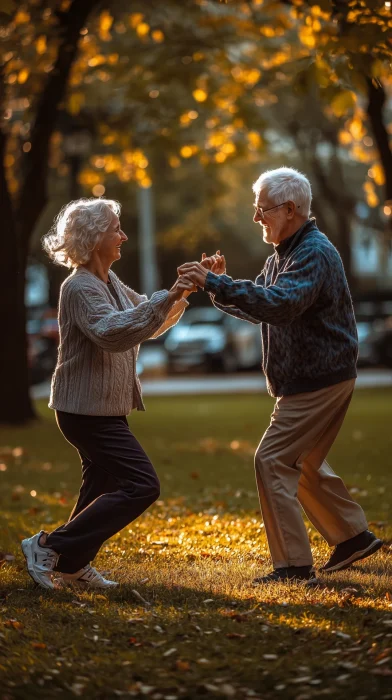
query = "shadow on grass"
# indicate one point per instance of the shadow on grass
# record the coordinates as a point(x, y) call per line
point(188, 640)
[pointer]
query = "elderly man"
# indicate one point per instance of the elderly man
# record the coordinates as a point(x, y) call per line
point(302, 301)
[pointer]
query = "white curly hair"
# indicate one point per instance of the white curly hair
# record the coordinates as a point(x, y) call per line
point(78, 228)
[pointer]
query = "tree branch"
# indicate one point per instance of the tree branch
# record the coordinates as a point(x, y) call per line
point(33, 193)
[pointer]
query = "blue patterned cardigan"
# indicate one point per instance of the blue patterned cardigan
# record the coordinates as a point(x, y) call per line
point(302, 301)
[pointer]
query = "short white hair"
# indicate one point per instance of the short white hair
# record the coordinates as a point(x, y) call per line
point(78, 228)
point(284, 184)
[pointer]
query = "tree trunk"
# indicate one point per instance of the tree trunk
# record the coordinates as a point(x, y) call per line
point(376, 101)
point(333, 189)
point(15, 403)
point(19, 222)
point(342, 205)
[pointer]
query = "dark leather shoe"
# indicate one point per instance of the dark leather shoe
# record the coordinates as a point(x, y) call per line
point(289, 573)
point(346, 553)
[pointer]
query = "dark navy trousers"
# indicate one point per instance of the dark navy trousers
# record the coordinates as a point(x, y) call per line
point(118, 484)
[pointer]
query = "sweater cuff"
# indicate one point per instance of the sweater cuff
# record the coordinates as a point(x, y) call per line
point(161, 303)
point(181, 304)
point(212, 283)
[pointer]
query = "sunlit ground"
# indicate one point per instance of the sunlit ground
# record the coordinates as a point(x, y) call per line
point(186, 621)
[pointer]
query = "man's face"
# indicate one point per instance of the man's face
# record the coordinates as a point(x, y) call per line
point(273, 222)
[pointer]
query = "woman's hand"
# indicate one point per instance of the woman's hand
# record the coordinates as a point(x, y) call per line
point(183, 286)
point(195, 272)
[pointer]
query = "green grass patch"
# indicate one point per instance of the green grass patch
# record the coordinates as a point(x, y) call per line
point(204, 630)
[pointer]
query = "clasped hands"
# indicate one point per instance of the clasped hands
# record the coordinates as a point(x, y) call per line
point(193, 275)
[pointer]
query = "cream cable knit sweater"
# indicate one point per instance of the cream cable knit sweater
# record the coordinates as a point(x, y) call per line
point(96, 368)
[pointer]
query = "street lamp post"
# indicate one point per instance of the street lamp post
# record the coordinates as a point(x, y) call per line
point(147, 246)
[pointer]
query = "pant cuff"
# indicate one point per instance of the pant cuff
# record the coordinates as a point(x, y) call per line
point(353, 533)
point(292, 562)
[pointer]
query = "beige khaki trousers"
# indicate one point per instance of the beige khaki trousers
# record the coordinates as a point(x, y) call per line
point(291, 471)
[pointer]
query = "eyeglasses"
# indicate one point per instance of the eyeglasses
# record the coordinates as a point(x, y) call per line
point(260, 211)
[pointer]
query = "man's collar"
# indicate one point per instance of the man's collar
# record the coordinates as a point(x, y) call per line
point(287, 243)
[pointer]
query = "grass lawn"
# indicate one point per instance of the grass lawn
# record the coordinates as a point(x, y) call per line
point(203, 630)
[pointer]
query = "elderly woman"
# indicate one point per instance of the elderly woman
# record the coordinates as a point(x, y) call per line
point(94, 387)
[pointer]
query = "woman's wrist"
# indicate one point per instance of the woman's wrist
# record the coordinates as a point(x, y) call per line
point(187, 292)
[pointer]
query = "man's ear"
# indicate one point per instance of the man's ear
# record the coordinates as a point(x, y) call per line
point(290, 209)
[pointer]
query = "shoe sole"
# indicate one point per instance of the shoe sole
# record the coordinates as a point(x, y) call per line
point(302, 582)
point(85, 586)
point(26, 549)
point(357, 556)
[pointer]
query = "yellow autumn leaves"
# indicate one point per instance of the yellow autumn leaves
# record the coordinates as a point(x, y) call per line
point(131, 164)
point(136, 21)
point(361, 146)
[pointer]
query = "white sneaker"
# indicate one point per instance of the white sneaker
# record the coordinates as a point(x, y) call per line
point(88, 577)
point(40, 560)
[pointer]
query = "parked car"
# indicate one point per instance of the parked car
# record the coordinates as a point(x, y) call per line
point(42, 344)
point(375, 342)
point(374, 325)
point(208, 338)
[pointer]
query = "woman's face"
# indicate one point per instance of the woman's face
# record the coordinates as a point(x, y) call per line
point(109, 248)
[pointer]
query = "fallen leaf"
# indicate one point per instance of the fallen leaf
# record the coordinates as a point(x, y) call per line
point(140, 598)
point(343, 635)
point(344, 677)
point(4, 557)
point(77, 688)
point(38, 645)
point(169, 652)
point(134, 642)
point(14, 624)
point(382, 672)
point(182, 665)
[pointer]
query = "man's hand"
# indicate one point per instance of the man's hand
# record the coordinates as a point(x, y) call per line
point(216, 263)
point(219, 266)
point(194, 272)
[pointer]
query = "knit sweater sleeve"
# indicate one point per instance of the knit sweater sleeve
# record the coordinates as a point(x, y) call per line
point(294, 291)
point(112, 330)
point(234, 310)
point(173, 316)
